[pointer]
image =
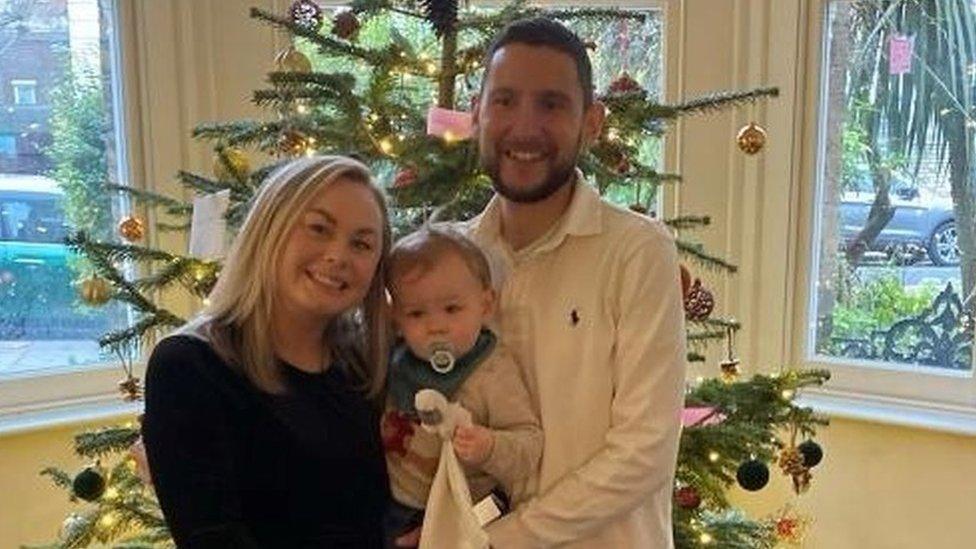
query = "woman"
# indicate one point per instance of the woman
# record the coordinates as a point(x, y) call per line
point(261, 421)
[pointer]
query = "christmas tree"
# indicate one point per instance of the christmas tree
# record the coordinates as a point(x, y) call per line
point(385, 80)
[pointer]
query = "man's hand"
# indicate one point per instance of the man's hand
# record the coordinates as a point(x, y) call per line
point(473, 444)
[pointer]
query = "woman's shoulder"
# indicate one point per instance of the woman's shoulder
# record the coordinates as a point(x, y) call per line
point(190, 362)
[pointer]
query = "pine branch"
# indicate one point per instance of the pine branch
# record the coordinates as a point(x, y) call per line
point(720, 101)
point(58, 477)
point(172, 206)
point(107, 440)
point(160, 318)
point(688, 222)
point(698, 253)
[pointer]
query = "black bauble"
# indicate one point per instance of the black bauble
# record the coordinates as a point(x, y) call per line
point(752, 475)
point(812, 453)
point(89, 484)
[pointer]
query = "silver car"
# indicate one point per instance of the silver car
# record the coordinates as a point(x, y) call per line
point(921, 219)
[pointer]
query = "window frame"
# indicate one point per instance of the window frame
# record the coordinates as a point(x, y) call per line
point(906, 395)
point(18, 86)
point(65, 395)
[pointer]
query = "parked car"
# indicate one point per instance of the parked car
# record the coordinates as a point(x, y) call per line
point(921, 219)
point(37, 296)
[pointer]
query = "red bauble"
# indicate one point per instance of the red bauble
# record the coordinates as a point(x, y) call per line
point(687, 498)
point(405, 178)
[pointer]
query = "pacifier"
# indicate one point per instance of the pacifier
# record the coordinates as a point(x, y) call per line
point(441, 357)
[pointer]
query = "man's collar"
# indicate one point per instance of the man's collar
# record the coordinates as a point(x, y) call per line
point(582, 217)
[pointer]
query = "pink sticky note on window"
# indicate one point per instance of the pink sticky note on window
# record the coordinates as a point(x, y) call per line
point(701, 416)
point(900, 54)
point(448, 124)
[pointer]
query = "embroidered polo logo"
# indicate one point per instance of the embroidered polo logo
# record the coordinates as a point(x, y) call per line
point(574, 317)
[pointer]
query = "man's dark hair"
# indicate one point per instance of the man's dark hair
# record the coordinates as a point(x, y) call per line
point(541, 31)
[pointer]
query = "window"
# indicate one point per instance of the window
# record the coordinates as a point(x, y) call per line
point(8, 145)
point(54, 160)
point(25, 92)
point(892, 217)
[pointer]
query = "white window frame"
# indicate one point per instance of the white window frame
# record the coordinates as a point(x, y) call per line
point(904, 395)
point(70, 394)
point(22, 90)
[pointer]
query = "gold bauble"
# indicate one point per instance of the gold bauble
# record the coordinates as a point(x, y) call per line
point(292, 60)
point(730, 370)
point(237, 160)
point(132, 228)
point(131, 389)
point(751, 138)
point(95, 290)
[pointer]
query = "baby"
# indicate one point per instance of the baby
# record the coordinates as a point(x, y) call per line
point(442, 300)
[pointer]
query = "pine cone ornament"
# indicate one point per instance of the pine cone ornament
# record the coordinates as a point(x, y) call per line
point(699, 302)
point(624, 84)
point(791, 462)
point(346, 25)
point(442, 14)
point(306, 14)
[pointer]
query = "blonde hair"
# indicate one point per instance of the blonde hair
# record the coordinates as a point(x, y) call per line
point(420, 249)
point(241, 303)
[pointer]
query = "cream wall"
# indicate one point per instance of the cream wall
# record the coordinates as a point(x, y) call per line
point(881, 486)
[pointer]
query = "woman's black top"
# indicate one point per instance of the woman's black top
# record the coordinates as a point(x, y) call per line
point(237, 467)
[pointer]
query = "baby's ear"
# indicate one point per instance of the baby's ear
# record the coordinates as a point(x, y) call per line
point(489, 300)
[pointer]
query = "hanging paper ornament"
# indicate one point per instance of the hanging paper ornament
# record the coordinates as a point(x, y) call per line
point(687, 498)
point(624, 84)
point(346, 25)
point(405, 178)
point(89, 484)
point(699, 302)
point(292, 60)
point(132, 228)
point(751, 138)
point(442, 15)
point(235, 159)
point(791, 462)
point(306, 14)
point(95, 290)
point(752, 475)
point(812, 453)
point(131, 389)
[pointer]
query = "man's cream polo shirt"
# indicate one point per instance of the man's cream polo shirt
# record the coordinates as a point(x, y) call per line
point(593, 313)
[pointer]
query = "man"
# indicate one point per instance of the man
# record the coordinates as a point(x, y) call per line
point(590, 303)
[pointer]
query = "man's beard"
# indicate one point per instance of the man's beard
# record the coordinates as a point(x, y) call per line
point(559, 175)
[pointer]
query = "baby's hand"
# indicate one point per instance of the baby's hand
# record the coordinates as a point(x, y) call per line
point(473, 444)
